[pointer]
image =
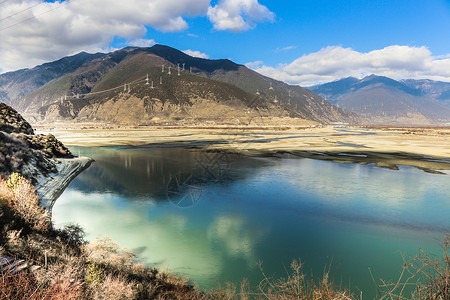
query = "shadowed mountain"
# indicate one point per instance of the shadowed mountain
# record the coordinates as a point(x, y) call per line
point(216, 90)
point(382, 100)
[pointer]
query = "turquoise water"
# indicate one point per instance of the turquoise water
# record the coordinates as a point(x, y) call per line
point(214, 217)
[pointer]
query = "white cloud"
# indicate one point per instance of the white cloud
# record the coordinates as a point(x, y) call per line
point(195, 53)
point(142, 43)
point(288, 48)
point(54, 30)
point(238, 15)
point(254, 64)
point(335, 62)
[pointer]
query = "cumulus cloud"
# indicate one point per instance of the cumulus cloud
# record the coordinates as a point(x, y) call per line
point(49, 31)
point(195, 53)
point(238, 15)
point(335, 62)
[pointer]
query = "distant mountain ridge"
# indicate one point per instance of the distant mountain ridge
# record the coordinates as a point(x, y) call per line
point(382, 100)
point(436, 89)
point(223, 82)
point(19, 83)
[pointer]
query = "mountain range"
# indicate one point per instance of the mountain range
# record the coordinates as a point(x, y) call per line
point(382, 100)
point(158, 84)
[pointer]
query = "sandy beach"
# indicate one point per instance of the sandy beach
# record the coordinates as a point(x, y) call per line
point(426, 148)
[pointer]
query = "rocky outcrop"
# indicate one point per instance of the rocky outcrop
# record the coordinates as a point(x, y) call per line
point(42, 159)
point(17, 157)
point(47, 145)
point(11, 121)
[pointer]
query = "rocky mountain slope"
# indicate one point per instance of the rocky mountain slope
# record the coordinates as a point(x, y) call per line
point(435, 89)
point(113, 88)
point(382, 100)
point(21, 151)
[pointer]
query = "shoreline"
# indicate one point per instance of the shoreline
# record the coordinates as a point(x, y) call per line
point(426, 148)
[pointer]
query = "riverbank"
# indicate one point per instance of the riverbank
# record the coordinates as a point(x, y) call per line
point(425, 148)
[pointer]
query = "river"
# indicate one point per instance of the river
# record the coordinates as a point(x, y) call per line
point(216, 217)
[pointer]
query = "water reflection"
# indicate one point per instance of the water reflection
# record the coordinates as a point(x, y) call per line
point(236, 237)
point(366, 193)
point(165, 237)
point(251, 209)
point(141, 173)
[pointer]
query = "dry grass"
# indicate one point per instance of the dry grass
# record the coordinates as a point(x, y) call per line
point(24, 285)
point(19, 193)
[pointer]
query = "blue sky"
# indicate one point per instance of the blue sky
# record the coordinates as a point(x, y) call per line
point(300, 42)
point(311, 25)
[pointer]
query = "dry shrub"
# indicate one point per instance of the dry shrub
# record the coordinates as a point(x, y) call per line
point(226, 292)
point(428, 277)
point(298, 286)
point(20, 194)
point(19, 286)
point(6, 193)
point(114, 288)
point(23, 285)
point(64, 282)
point(105, 251)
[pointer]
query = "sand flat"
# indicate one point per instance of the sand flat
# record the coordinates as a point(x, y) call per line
point(429, 142)
point(424, 148)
